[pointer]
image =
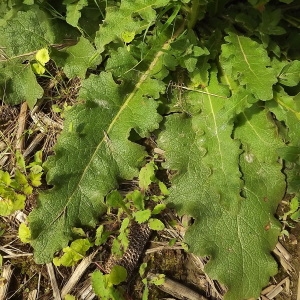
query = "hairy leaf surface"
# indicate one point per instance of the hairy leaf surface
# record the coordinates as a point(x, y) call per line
point(18, 83)
point(215, 184)
point(92, 153)
point(30, 31)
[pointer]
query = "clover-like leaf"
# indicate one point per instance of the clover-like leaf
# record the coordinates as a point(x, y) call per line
point(42, 56)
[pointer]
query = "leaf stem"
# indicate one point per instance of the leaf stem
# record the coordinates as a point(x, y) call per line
point(193, 14)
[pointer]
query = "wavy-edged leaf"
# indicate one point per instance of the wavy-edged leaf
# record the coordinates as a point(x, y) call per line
point(247, 61)
point(214, 183)
point(129, 17)
point(92, 153)
point(80, 57)
point(18, 83)
point(74, 10)
point(286, 108)
point(290, 73)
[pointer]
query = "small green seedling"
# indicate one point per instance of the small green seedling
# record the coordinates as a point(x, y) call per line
point(73, 253)
point(120, 244)
point(24, 233)
point(294, 211)
point(105, 286)
point(15, 188)
point(293, 214)
point(158, 279)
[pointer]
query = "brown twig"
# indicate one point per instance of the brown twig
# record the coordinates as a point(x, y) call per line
point(21, 127)
point(56, 293)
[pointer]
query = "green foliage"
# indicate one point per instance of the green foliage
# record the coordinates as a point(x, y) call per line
point(147, 175)
point(74, 10)
point(156, 224)
point(42, 57)
point(101, 236)
point(219, 88)
point(80, 57)
point(121, 243)
point(158, 280)
point(294, 212)
point(135, 202)
point(23, 34)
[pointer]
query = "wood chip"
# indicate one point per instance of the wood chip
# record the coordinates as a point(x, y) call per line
point(283, 251)
point(268, 289)
point(20, 216)
point(86, 292)
point(32, 295)
point(284, 257)
point(177, 289)
point(276, 291)
point(5, 280)
point(278, 288)
point(36, 141)
point(298, 289)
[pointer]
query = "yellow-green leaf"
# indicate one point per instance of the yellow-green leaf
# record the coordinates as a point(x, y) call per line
point(42, 56)
point(24, 233)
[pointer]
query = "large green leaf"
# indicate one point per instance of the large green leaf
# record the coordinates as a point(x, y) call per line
point(94, 151)
point(247, 61)
point(91, 154)
point(231, 195)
